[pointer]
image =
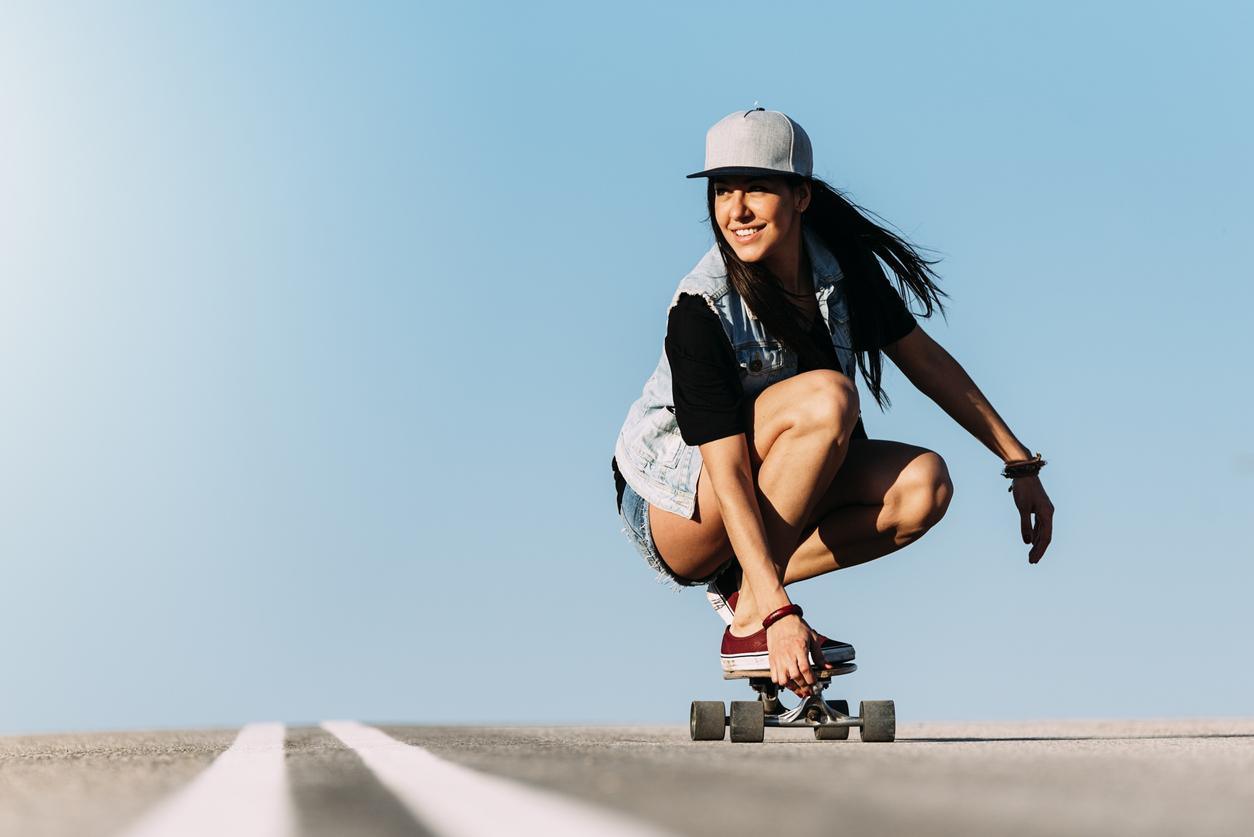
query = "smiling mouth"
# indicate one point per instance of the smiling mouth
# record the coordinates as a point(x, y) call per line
point(747, 233)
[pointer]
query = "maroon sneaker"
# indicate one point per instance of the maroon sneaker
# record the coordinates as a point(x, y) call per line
point(748, 653)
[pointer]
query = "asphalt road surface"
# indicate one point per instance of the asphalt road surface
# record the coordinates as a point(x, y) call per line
point(348, 778)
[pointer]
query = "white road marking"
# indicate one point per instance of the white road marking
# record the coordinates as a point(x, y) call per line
point(243, 793)
point(455, 801)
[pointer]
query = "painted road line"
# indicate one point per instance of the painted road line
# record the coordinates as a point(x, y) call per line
point(243, 793)
point(455, 801)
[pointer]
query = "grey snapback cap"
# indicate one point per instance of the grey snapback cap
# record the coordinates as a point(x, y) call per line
point(757, 141)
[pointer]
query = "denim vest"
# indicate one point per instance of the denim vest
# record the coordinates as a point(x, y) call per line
point(652, 456)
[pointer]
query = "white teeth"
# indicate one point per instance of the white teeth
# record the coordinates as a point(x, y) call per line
point(747, 233)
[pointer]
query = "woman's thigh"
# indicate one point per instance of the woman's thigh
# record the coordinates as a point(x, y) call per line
point(878, 472)
point(875, 472)
point(697, 547)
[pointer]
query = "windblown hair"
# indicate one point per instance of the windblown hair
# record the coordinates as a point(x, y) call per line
point(859, 245)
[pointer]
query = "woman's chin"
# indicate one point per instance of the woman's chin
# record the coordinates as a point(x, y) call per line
point(751, 253)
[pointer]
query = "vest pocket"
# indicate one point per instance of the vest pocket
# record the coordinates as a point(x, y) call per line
point(658, 446)
point(760, 359)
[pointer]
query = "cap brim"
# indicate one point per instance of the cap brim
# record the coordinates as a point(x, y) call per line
point(744, 170)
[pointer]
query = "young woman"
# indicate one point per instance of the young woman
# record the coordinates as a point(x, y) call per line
point(744, 464)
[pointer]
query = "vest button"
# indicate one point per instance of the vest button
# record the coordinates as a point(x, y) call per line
point(755, 365)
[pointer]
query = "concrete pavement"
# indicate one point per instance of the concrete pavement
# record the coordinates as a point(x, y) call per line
point(1107, 778)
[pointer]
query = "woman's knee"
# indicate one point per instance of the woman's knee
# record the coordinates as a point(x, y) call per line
point(828, 402)
point(926, 490)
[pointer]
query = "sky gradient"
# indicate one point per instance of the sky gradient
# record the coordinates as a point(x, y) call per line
point(318, 323)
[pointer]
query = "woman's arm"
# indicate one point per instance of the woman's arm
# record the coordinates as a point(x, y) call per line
point(709, 409)
point(938, 376)
point(789, 641)
point(731, 474)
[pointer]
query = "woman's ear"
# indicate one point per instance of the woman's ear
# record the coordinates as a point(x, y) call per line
point(801, 196)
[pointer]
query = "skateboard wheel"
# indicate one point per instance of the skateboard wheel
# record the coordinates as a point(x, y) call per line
point(748, 720)
point(827, 733)
point(879, 720)
point(707, 722)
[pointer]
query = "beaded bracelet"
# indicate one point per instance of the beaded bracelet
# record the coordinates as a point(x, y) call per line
point(1023, 468)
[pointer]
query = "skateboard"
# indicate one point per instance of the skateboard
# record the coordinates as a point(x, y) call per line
point(830, 719)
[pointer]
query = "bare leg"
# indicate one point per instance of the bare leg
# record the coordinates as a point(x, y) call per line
point(885, 496)
point(798, 443)
point(810, 412)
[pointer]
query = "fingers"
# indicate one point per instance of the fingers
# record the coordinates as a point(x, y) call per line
point(1043, 535)
point(1040, 532)
point(795, 674)
point(802, 673)
point(1043, 531)
point(816, 651)
point(789, 652)
point(793, 678)
point(803, 660)
point(807, 673)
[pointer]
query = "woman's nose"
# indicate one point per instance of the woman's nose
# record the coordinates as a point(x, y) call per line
point(739, 209)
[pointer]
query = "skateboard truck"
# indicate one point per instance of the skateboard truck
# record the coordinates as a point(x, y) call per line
point(830, 719)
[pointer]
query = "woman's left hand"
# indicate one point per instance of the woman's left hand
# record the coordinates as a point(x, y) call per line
point(1030, 498)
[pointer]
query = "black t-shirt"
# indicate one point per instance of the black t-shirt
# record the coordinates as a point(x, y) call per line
point(705, 378)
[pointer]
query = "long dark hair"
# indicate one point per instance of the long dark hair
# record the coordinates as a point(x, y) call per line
point(859, 245)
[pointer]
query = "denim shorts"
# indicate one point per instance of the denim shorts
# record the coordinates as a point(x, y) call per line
point(635, 513)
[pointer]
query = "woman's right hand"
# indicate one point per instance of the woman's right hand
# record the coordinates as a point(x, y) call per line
point(788, 644)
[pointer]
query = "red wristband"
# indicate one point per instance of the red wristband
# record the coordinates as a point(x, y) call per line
point(776, 615)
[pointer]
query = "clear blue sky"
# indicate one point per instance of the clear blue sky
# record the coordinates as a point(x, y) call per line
point(297, 423)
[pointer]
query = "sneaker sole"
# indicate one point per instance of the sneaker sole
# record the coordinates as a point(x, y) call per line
point(762, 662)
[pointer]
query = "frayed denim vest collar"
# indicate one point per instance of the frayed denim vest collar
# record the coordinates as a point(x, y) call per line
point(651, 454)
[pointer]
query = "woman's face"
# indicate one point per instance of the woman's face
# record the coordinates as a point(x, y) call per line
point(758, 215)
